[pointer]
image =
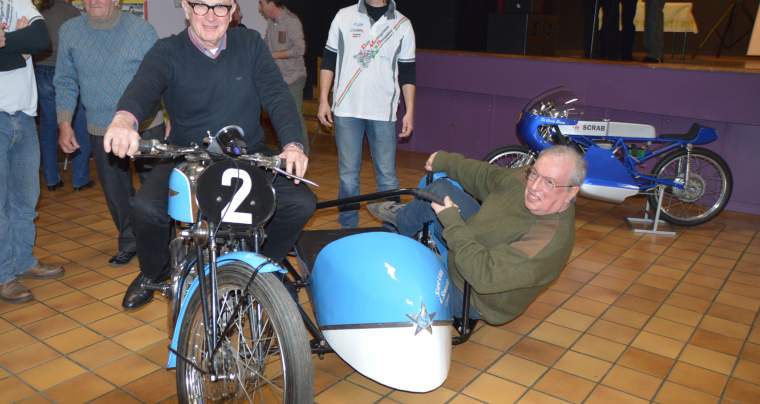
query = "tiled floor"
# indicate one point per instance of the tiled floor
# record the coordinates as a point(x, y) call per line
point(631, 319)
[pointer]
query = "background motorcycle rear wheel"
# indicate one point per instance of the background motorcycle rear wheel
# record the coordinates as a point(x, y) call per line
point(510, 156)
point(706, 194)
point(265, 356)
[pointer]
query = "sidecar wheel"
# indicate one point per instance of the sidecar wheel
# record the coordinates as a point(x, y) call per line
point(511, 156)
point(264, 355)
point(706, 194)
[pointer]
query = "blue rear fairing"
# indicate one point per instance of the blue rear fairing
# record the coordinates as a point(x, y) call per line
point(604, 169)
point(180, 197)
point(378, 279)
point(252, 259)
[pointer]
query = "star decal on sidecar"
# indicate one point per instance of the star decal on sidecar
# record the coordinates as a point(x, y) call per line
point(422, 320)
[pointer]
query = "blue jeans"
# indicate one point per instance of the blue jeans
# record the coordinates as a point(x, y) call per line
point(349, 137)
point(19, 190)
point(411, 218)
point(80, 163)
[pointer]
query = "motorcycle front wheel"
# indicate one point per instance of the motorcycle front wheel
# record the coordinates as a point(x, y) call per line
point(510, 156)
point(704, 196)
point(264, 356)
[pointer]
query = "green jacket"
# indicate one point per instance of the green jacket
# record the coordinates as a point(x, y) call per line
point(505, 252)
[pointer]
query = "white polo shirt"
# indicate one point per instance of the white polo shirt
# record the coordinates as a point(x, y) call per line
point(18, 88)
point(366, 69)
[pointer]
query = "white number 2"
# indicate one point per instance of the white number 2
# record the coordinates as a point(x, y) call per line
point(230, 213)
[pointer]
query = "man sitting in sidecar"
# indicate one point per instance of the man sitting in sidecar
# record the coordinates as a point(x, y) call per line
point(510, 247)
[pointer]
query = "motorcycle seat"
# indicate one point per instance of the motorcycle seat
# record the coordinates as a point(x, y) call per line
point(312, 242)
point(688, 136)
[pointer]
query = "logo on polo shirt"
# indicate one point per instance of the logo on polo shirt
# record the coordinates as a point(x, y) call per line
point(367, 52)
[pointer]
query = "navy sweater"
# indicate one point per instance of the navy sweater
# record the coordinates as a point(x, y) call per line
point(203, 94)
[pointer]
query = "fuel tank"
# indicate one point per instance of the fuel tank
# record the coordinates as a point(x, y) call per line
point(382, 303)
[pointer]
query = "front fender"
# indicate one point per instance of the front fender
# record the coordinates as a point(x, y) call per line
point(249, 258)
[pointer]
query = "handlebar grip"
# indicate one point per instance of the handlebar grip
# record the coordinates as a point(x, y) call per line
point(429, 196)
point(147, 146)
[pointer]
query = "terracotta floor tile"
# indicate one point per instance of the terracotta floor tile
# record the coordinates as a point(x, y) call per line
point(517, 369)
point(604, 395)
point(537, 397)
point(655, 281)
point(564, 385)
point(571, 319)
point(73, 340)
point(625, 317)
point(699, 292)
point(154, 387)
point(50, 290)
point(538, 310)
point(637, 304)
point(15, 339)
point(555, 334)
point(70, 301)
point(12, 389)
point(583, 365)
point(673, 262)
point(27, 357)
point(460, 375)
point(748, 371)
point(751, 352)
point(648, 292)
point(599, 347)
point(739, 301)
point(140, 337)
point(708, 359)
point(646, 362)
point(115, 325)
point(29, 314)
point(724, 327)
point(632, 382)
point(716, 342)
point(490, 388)
point(521, 325)
point(679, 315)
point(331, 364)
point(612, 283)
point(475, 355)
point(439, 395)
point(459, 399)
point(602, 295)
point(709, 270)
point(91, 312)
point(577, 274)
point(666, 272)
point(99, 354)
point(79, 389)
point(742, 391)
point(670, 329)
point(717, 261)
point(537, 351)
point(698, 378)
point(552, 297)
point(688, 302)
point(495, 338)
point(343, 392)
point(620, 273)
point(675, 393)
point(51, 373)
point(742, 289)
point(126, 369)
point(612, 331)
point(657, 344)
point(115, 397)
point(585, 306)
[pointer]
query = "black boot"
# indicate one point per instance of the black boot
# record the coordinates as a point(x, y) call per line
point(137, 296)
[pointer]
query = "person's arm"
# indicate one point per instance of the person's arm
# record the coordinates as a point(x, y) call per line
point(327, 73)
point(296, 45)
point(478, 178)
point(31, 39)
point(66, 82)
point(407, 123)
point(407, 78)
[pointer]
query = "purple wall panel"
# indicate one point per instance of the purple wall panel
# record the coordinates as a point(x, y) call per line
point(469, 103)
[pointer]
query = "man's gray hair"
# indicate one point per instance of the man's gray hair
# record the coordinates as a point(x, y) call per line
point(579, 171)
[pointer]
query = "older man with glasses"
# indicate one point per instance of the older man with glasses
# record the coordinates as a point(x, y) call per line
point(208, 78)
point(514, 243)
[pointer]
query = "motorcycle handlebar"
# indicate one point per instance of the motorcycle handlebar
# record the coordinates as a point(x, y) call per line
point(428, 196)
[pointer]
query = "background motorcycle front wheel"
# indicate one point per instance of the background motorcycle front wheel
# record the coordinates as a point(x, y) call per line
point(706, 193)
point(265, 356)
point(510, 156)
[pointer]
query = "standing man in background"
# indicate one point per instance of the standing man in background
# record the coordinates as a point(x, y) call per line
point(285, 40)
point(56, 12)
point(370, 53)
point(22, 32)
point(98, 55)
point(654, 31)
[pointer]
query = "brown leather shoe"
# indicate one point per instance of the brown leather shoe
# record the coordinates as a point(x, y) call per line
point(14, 292)
point(43, 271)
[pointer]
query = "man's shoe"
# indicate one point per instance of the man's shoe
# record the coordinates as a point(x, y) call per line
point(89, 184)
point(121, 258)
point(651, 60)
point(43, 271)
point(55, 186)
point(136, 296)
point(385, 211)
point(14, 292)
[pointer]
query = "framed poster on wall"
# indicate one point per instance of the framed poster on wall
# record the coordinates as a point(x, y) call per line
point(136, 7)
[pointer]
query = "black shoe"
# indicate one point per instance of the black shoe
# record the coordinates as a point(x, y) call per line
point(136, 296)
point(651, 60)
point(55, 186)
point(89, 184)
point(122, 258)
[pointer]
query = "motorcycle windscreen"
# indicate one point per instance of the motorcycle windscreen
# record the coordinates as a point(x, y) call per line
point(382, 303)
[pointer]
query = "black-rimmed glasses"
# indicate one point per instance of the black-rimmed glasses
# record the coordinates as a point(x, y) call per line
point(201, 9)
point(545, 182)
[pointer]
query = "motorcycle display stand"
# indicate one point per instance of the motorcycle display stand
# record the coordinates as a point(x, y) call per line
point(642, 224)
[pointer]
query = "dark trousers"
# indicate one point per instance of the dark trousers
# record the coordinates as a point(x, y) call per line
point(116, 180)
point(617, 44)
point(295, 205)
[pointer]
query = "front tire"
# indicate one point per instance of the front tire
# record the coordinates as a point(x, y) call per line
point(706, 194)
point(511, 157)
point(265, 357)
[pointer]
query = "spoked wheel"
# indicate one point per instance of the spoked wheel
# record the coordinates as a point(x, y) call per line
point(264, 356)
point(511, 156)
point(706, 193)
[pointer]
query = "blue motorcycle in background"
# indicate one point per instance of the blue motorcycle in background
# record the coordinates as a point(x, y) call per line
point(688, 185)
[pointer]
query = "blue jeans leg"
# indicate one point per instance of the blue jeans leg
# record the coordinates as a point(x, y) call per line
point(80, 162)
point(48, 123)
point(416, 213)
point(19, 191)
point(381, 136)
point(349, 136)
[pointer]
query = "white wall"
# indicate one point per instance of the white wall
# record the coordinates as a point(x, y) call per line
point(167, 16)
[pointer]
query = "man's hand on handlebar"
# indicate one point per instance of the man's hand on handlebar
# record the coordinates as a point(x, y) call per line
point(296, 161)
point(447, 203)
point(429, 162)
point(121, 138)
